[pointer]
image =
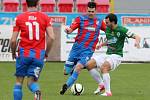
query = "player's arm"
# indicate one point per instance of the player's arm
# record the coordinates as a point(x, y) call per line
point(101, 45)
point(73, 26)
point(13, 44)
point(134, 36)
point(137, 40)
point(13, 40)
point(49, 40)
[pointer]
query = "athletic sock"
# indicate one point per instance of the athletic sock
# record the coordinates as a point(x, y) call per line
point(96, 75)
point(34, 87)
point(106, 78)
point(17, 91)
point(72, 79)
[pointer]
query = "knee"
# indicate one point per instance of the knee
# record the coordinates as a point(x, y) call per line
point(106, 67)
point(67, 70)
point(68, 67)
point(78, 68)
point(91, 64)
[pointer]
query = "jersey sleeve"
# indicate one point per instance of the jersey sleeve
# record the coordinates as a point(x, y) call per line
point(75, 24)
point(103, 26)
point(16, 27)
point(127, 32)
point(48, 21)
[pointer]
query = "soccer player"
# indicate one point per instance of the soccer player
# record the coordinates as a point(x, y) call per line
point(115, 36)
point(88, 26)
point(31, 26)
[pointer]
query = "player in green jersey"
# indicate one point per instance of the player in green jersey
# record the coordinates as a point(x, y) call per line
point(115, 36)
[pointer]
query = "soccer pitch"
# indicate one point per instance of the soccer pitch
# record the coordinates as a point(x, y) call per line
point(128, 82)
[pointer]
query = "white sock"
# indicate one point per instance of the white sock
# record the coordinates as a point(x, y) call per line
point(106, 79)
point(96, 75)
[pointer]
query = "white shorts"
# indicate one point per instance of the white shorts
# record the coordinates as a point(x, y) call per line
point(113, 59)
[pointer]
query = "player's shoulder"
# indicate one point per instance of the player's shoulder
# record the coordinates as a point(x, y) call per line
point(99, 17)
point(108, 29)
point(83, 16)
point(43, 14)
point(20, 15)
point(120, 27)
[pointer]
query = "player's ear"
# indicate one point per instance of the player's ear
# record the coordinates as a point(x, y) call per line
point(38, 3)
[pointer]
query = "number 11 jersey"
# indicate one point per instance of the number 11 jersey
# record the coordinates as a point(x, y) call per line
point(32, 27)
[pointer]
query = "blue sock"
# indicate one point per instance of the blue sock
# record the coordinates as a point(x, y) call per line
point(72, 79)
point(17, 92)
point(34, 87)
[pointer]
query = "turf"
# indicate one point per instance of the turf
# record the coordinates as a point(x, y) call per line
point(128, 82)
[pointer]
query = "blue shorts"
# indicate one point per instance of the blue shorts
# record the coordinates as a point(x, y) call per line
point(77, 55)
point(27, 66)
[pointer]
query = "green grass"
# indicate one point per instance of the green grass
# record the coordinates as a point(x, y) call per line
point(128, 82)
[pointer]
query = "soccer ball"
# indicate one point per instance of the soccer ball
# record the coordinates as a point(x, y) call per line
point(77, 89)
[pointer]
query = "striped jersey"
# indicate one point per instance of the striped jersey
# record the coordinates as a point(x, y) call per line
point(88, 30)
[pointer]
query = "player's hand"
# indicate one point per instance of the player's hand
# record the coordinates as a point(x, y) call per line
point(67, 29)
point(46, 55)
point(99, 46)
point(13, 56)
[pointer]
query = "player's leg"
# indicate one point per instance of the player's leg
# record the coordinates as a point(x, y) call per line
point(72, 78)
point(20, 74)
point(94, 71)
point(33, 74)
point(82, 60)
point(34, 87)
point(111, 63)
point(92, 68)
point(71, 62)
point(17, 91)
point(105, 68)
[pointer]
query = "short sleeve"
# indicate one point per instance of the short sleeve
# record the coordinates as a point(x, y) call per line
point(48, 21)
point(16, 27)
point(127, 32)
point(75, 24)
point(103, 26)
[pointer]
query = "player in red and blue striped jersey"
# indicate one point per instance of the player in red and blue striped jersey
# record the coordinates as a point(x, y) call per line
point(88, 26)
point(32, 48)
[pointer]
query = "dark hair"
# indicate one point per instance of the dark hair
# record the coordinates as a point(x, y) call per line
point(32, 3)
point(92, 5)
point(112, 17)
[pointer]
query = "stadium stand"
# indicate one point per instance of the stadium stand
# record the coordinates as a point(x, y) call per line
point(102, 6)
point(81, 5)
point(0, 5)
point(47, 5)
point(10, 5)
point(24, 5)
point(65, 5)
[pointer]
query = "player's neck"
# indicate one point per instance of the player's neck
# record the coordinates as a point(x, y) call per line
point(114, 26)
point(32, 9)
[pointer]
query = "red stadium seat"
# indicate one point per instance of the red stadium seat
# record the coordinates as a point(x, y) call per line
point(10, 5)
point(47, 5)
point(82, 5)
point(102, 6)
point(65, 5)
point(24, 5)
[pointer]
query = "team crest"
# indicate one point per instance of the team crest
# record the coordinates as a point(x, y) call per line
point(118, 34)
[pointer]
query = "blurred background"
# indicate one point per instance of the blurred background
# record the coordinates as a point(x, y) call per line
point(129, 82)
